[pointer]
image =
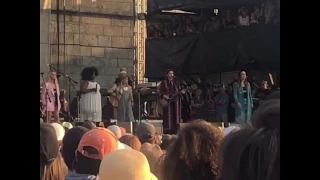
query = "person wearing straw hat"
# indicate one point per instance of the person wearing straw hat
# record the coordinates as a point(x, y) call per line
point(60, 131)
point(125, 164)
point(67, 126)
point(93, 147)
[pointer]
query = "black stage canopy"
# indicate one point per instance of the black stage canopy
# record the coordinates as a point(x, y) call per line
point(255, 47)
point(158, 5)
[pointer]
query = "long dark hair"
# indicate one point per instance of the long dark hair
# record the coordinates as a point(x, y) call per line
point(267, 115)
point(88, 72)
point(239, 79)
point(250, 154)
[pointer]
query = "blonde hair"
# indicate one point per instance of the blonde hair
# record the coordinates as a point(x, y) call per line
point(49, 79)
point(56, 171)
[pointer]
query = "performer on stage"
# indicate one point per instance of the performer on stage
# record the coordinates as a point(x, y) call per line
point(243, 99)
point(50, 98)
point(90, 100)
point(172, 112)
point(118, 80)
point(124, 93)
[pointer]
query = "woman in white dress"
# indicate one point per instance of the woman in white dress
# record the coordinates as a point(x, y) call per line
point(90, 100)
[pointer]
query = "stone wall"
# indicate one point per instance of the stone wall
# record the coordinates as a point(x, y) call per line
point(44, 37)
point(96, 34)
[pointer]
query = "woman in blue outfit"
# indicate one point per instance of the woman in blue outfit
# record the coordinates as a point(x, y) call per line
point(243, 99)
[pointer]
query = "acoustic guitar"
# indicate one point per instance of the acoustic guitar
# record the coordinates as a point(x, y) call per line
point(63, 101)
point(173, 96)
point(114, 101)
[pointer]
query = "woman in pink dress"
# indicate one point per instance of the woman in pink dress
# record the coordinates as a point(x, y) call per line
point(50, 97)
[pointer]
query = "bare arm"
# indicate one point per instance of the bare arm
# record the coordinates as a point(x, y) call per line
point(112, 89)
point(83, 87)
point(131, 93)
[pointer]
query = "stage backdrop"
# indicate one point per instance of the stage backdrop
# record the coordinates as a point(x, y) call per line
point(255, 47)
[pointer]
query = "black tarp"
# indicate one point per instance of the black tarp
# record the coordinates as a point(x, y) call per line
point(158, 5)
point(255, 47)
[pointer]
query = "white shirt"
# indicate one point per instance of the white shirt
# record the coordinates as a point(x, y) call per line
point(244, 21)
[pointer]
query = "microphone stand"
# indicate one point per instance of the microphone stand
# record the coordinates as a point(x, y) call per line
point(46, 97)
point(71, 83)
point(139, 104)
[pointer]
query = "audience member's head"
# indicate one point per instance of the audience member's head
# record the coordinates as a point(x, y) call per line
point(273, 95)
point(87, 124)
point(167, 141)
point(194, 155)
point(125, 164)
point(267, 115)
point(123, 70)
point(146, 132)
point(59, 131)
point(115, 130)
point(153, 152)
point(49, 149)
point(57, 170)
point(250, 154)
point(123, 131)
point(93, 146)
point(67, 126)
point(70, 144)
point(131, 141)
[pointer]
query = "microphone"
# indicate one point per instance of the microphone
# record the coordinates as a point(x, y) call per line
point(96, 88)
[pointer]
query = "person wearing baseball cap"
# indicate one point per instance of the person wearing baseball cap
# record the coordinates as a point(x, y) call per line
point(146, 132)
point(49, 148)
point(93, 146)
point(125, 164)
point(70, 144)
point(115, 130)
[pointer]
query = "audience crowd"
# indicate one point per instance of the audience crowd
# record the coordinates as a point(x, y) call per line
point(200, 150)
point(184, 24)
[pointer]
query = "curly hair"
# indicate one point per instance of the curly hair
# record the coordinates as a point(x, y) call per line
point(88, 72)
point(194, 155)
